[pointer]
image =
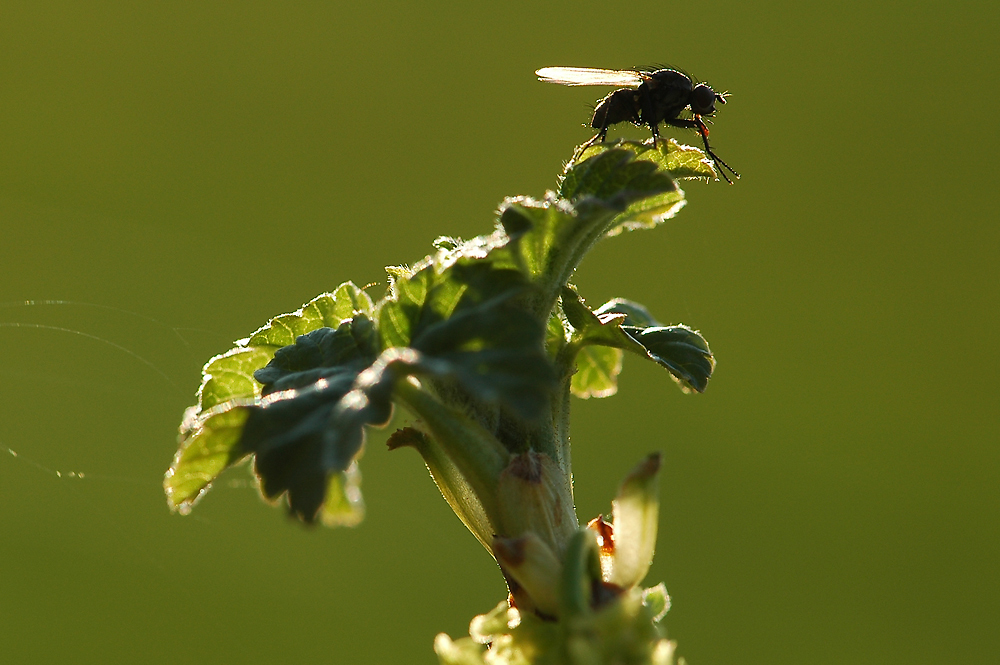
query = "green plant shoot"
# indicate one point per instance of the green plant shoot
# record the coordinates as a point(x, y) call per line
point(481, 344)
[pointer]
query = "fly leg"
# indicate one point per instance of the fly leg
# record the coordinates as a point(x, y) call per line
point(600, 122)
point(619, 106)
point(601, 135)
point(607, 112)
point(698, 125)
point(591, 141)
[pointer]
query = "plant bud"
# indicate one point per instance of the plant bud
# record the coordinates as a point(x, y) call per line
point(635, 513)
point(533, 498)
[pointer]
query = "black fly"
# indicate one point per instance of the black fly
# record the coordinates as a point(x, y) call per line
point(645, 98)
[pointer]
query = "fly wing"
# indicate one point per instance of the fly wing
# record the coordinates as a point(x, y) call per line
point(588, 76)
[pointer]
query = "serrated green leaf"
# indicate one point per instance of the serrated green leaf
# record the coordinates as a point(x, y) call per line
point(555, 233)
point(598, 340)
point(684, 162)
point(209, 444)
point(597, 370)
point(211, 438)
point(352, 344)
point(657, 600)
point(309, 424)
point(299, 437)
point(321, 392)
point(454, 277)
point(495, 352)
point(549, 238)
point(400, 312)
point(327, 310)
point(681, 162)
point(230, 376)
point(633, 176)
point(615, 174)
point(349, 300)
point(592, 328)
point(544, 231)
point(635, 314)
point(681, 350)
point(343, 505)
point(556, 335)
point(463, 310)
point(615, 189)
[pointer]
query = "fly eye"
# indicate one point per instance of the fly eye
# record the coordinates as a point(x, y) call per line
point(703, 100)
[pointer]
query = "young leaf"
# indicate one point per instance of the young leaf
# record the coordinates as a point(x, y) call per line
point(556, 335)
point(610, 171)
point(211, 432)
point(636, 511)
point(683, 351)
point(352, 343)
point(597, 370)
point(310, 422)
point(343, 505)
point(550, 237)
point(593, 328)
point(463, 310)
point(495, 351)
point(443, 283)
point(627, 186)
point(597, 341)
point(208, 445)
point(635, 177)
point(230, 376)
point(635, 314)
point(327, 310)
point(681, 162)
point(320, 393)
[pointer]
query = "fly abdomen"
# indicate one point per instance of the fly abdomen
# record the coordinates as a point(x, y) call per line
point(619, 106)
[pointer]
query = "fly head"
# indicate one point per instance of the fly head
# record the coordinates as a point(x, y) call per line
point(703, 99)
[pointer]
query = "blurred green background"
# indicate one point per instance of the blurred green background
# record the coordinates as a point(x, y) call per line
point(183, 171)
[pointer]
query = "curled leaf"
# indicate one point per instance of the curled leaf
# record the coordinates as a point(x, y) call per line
point(681, 350)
